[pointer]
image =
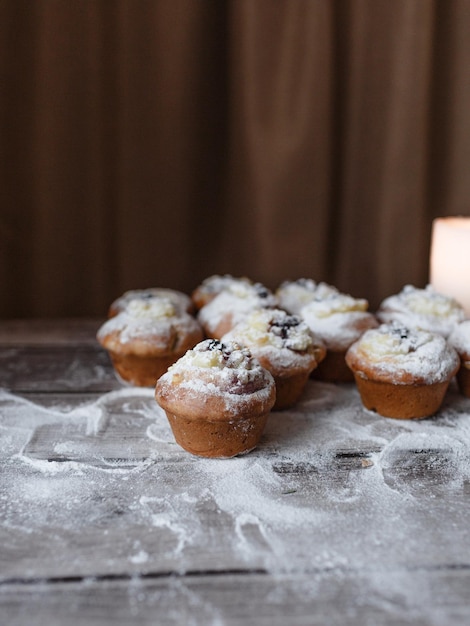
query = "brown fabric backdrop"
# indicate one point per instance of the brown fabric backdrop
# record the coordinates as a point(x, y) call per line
point(153, 143)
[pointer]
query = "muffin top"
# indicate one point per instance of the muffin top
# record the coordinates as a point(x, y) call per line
point(422, 308)
point(460, 340)
point(278, 338)
point(213, 285)
point(338, 319)
point(395, 354)
point(293, 295)
point(235, 302)
point(150, 326)
point(178, 299)
point(216, 380)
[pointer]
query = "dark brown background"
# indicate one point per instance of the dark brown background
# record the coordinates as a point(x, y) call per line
point(152, 143)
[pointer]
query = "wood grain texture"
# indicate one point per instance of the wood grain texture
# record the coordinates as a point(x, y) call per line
point(52, 369)
point(335, 597)
point(63, 332)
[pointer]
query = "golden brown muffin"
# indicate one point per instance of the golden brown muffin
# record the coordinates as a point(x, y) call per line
point(146, 337)
point(402, 373)
point(217, 398)
point(181, 301)
point(425, 309)
point(231, 305)
point(459, 339)
point(338, 320)
point(284, 345)
point(213, 285)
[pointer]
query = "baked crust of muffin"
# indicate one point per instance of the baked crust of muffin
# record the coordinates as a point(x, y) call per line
point(402, 373)
point(146, 337)
point(217, 398)
point(460, 340)
point(284, 345)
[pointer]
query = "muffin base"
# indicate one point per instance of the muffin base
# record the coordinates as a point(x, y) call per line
point(289, 389)
point(333, 369)
point(463, 379)
point(140, 371)
point(221, 439)
point(401, 401)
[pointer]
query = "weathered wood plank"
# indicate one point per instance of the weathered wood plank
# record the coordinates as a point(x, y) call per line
point(54, 356)
point(187, 516)
point(338, 596)
point(81, 368)
point(101, 489)
point(49, 332)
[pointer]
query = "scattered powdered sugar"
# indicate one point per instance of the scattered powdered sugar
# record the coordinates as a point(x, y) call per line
point(259, 485)
point(85, 421)
point(140, 557)
point(305, 502)
point(332, 490)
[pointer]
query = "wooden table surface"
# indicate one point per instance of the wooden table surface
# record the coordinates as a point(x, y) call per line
point(339, 517)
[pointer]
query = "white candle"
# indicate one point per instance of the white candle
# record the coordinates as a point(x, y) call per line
point(450, 258)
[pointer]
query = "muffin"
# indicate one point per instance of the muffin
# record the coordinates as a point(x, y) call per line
point(217, 398)
point(284, 345)
point(295, 294)
point(146, 337)
point(231, 305)
point(338, 320)
point(425, 309)
point(178, 299)
point(460, 340)
point(212, 286)
point(400, 372)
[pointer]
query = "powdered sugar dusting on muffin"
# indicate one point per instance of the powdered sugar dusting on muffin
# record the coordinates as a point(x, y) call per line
point(393, 352)
point(224, 369)
point(425, 309)
point(227, 361)
point(335, 303)
point(460, 339)
point(284, 339)
point(338, 319)
point(293, 295)
point(217, 283)
point(178, 299)
point(155, 308)
point(146, 317)
point(236, 300)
